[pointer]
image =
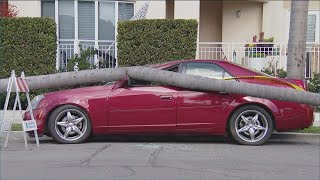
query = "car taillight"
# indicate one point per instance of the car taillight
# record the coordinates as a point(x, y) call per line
point(301, 83)
point(298, 82)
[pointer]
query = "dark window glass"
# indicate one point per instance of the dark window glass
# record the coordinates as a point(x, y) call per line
point(47, 9)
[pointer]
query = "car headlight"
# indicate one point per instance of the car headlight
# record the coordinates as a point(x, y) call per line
point(35, 101)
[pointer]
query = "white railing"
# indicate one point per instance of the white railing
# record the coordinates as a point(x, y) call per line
point(103, 54)
point(260, 56)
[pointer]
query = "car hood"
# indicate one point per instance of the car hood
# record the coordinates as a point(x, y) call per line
point(81, 91)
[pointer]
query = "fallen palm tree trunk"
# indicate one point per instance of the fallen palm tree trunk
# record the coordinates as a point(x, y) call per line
point(169, 78)
point(66, 79)
point(208, 84)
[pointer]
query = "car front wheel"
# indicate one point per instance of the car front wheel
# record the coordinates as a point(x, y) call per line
point(251, 125)
point(69, 124)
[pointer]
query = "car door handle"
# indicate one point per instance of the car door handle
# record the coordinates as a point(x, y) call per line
point(223, 92)
point(166, 97)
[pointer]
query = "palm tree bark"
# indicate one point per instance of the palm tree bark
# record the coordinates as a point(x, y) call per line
point(297, 39)
point(66, 79)
point(170, 78)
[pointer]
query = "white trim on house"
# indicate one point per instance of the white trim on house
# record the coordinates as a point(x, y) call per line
point(317, 13)
point(56, 17)
point(71, 45)
point(76, 26)
point(96, 29)
point(317, 30)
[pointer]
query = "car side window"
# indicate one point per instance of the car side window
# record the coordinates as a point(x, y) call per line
point(135, 82)
point(206, 70)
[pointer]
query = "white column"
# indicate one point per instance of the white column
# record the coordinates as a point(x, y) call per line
point(76, 36)
point(96, 34)
point(56, 16)
point(116, 31)
point(188, 10)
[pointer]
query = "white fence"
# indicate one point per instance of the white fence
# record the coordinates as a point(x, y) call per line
point(260, 56)
point(102, 55)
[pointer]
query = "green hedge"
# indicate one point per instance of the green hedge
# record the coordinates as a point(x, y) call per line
point(142, 42)
point(29, 45)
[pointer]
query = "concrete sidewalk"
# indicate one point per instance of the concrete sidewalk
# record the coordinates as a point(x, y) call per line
point(15, 116)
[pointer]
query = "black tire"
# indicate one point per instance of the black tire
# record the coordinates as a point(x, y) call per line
point(77, 130)
point(246, 125)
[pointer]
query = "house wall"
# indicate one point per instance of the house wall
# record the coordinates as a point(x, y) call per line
point(243, 28)
point(156, 9)
point(274, 23)
point(210, 21)
point(187, 9)
point(312, 4)
point(30, 8)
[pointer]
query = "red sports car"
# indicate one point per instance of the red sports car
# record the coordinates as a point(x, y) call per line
point(130, 106)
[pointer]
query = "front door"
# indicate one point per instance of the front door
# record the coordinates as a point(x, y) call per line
point(142, 109)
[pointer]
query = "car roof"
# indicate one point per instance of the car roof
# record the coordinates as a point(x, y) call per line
point(233, 68)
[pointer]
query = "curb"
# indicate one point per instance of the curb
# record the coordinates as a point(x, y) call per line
point(291, 136)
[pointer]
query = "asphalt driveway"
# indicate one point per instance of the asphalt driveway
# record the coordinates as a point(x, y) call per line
point(284, 157)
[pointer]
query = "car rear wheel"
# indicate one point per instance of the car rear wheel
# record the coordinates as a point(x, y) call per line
point(251, 125)
point(69, 124)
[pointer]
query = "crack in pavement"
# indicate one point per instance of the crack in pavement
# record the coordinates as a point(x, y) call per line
point(153, 156)
point(87, 161)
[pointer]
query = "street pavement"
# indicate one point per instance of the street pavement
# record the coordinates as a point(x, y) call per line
point(285, 156)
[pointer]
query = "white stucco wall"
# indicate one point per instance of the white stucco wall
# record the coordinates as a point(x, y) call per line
point(156, 10)
point(274, 22)
point(29, 8)
point(210, 21)
point(187, 9)
point(249, 23)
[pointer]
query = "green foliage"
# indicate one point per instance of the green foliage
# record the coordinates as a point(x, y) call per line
point(142, 42)
point(314, 86)
point(268, 39)
point(281, 73)
point(256, 55)
point(29, 45)
point(83, 59)
point(267, 71)
point(312, 129)
point(314, 83)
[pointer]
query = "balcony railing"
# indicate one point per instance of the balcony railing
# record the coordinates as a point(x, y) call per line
point(266, 56)
point(103, 54)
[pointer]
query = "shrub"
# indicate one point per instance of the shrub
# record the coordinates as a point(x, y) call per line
point(314, 86)
point(82, 59)
point(314, 83)
point(142, 42)
point(29, 45)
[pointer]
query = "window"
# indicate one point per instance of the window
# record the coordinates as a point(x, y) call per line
point(313, 27)
point(86, 20)
point(125, 11)
point(106, 21)
point(66, 20)
point(206, 70)
point(135, 82)
point(47, 9)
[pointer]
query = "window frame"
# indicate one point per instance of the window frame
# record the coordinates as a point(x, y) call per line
point(76, 18)
point(317, 14)
point(184, 68)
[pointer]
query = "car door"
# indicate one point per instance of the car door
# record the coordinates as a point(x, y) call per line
point(202, 110)
point(142, 107)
